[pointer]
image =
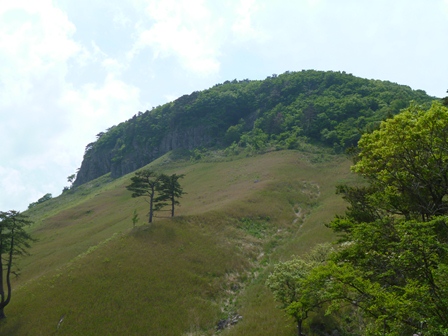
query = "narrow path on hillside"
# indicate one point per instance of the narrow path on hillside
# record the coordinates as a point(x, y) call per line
point(312, 190)
point(298, 213)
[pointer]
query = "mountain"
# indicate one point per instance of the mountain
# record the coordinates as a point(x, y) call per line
point(326, 108)
point(261, 194)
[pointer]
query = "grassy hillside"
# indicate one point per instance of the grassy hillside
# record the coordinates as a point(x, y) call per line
point(92, 273)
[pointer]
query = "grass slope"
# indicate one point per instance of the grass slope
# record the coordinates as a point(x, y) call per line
point(91, 273)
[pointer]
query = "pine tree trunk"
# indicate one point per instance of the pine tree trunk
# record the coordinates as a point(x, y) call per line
point(150, 213)
point(299, 328)
point(151, 204)
point(2, 288)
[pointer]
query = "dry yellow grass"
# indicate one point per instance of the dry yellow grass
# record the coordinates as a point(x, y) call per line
point(177, 276)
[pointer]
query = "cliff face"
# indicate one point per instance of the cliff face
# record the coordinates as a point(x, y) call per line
point(102, 161)
point(190, 138)
point(93, 166)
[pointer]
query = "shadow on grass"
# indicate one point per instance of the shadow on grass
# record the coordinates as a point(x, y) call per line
point(10, 327)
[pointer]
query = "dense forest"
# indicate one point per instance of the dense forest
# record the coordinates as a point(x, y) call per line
point(284, 111)
point(388, 274)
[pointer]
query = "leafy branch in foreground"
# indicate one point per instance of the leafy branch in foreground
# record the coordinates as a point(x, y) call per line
point(392, 259)
point(394, 233)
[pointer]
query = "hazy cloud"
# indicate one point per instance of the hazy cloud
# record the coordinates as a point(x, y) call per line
point(243, 26)
point(184, 29)
point(34, 44)
point(45, 119)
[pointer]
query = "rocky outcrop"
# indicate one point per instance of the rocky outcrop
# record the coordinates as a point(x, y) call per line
point(94, 165)
point(98, 162)
point(228, 322)
point(190, 138)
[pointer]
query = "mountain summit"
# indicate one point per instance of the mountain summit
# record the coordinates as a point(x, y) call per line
point(329, 108)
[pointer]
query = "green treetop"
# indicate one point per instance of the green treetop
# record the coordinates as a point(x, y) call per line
point(145, 183)
point(170, 191)
point(406, 160)
point(14, 241)
point(391, 265)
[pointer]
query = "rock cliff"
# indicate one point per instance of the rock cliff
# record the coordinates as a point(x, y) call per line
point(102, 160)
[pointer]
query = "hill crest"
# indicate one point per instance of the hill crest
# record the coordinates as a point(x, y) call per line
point(284, 111)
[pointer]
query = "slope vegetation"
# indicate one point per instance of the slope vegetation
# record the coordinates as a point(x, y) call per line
point(328, 108)
point(92, 273)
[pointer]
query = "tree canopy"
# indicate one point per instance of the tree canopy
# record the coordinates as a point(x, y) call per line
point(160, 190)
point(44, 198)
point(406, 161)
point(391, 262)
point(144, 183)
point(284, 111)
point(170, 191)
point(290, 283)
point(14, 241)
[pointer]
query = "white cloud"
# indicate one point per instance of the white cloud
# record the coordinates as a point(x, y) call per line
point(243, 27)
point(113, 66)
point(93, 108)
point(11, 183)
point(46, 120)
point(33, 44)
point(445, 6)
point(170, 97)
point(184, 29)
point(120, 18)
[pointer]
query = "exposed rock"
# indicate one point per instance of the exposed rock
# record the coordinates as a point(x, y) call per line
point(96, 163)
point(230, 321)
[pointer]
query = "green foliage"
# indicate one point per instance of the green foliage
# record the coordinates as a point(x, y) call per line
point(44, 198)
point(135, 218)
point(285, 111)
point(145, 183)
point(394, 271)
point(392, 262)
point(406, 161)
point(393, 259)
point(255, 141)
point(14, 241)
point(197, 154)
point(395, 230)
point(160, 190)
point(169, 191)
point(234, 132)
point(255, 227)
point(291, 284)
point(71, 178)
point(445, 100)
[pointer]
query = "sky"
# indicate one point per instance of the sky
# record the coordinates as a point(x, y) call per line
point(71, 69)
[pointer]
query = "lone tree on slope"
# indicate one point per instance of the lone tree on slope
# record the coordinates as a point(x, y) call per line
point(14, 241)
point(169, 191)
point(145, 183)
